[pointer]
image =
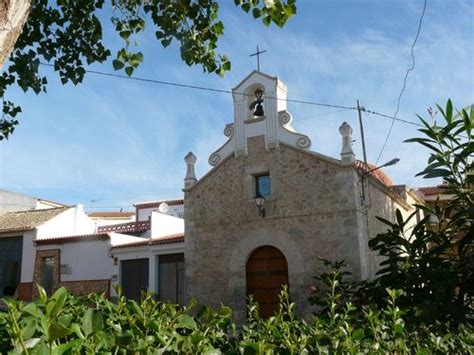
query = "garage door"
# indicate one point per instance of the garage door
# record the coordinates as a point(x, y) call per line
point(134, 277)
point(10, 264)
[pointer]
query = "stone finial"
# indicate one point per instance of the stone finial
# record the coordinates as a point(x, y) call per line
point(190, 178)
point(347, 154)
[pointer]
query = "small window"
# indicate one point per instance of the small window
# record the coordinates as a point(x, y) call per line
point(262, 185)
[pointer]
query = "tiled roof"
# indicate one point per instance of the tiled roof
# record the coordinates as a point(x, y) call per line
point(379, 174)
point(150, 204)
point(72, 238)
point(111, 214)
point(432, 190)
point(129, 227)
point(175, 238)
point(49, 202)
point(27, 220)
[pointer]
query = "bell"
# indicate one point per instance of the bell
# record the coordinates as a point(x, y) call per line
point(259, 111)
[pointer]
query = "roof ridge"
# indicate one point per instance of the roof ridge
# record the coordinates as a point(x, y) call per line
point(40, 210)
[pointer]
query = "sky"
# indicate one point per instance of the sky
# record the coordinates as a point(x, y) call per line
point(110, 142)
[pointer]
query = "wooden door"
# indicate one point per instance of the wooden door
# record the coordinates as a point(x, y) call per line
point(134, 277)
point(266, 272)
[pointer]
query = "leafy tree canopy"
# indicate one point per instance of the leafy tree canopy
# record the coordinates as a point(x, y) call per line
point(69, 35)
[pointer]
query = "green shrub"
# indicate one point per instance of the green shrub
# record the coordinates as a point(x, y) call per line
point(63, 324)
point(433, 262)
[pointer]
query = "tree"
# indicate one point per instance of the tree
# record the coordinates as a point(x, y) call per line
point(68, 35)
point(433, 263)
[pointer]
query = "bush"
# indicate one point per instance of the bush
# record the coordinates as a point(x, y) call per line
point(433, 263)
point(66, 324)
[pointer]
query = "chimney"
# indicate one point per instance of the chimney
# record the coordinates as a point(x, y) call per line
point(190, 178)
point(347, 154)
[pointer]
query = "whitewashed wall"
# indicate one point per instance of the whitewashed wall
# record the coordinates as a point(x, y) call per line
point(87, 260)
point(73, 221)
point(163, 225)
point(144, 213)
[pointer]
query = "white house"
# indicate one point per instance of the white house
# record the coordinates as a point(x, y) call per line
point(18, 233)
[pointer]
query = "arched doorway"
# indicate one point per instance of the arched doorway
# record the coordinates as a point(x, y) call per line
point(266, 273)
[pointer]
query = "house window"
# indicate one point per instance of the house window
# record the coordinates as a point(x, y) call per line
point(171, 278)
point(262, 185)
point(48, 274)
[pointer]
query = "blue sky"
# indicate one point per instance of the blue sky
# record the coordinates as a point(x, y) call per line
point(119, 142)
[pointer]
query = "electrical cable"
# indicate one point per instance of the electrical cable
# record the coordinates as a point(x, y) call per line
point(411, 68)
point(196, 87)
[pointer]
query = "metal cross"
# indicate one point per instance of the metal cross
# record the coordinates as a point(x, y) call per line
point(258, 57)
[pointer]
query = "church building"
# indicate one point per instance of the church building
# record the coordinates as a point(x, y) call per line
point(270, 206)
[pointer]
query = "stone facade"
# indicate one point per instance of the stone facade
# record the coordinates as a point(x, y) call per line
point(315, 208)
point(312, 212)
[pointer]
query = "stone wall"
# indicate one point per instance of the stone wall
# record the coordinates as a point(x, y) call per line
point(312, 212)
point(380, 205)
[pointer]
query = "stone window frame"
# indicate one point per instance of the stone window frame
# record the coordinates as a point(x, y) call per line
point(250, 184)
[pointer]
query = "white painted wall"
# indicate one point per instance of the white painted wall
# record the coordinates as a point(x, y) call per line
point(107, 222)
point(73, 221)
point(163, 225)
point(144, 213)
point(88, 260)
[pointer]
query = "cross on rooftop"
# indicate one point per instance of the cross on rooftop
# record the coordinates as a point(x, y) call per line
point(258, 56)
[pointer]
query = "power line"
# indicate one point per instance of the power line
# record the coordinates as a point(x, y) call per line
point(204, 88)
point(411, 68)
point(393, 118)
point(196, 87)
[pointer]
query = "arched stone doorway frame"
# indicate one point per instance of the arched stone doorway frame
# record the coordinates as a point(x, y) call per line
point(238, 261)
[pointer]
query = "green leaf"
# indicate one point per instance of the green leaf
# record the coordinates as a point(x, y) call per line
point(129, 71)
point(91, 322)
point(433, 173)
point(59, 298)
point(226, 66)
point(399, 328)
point(32, 309)
point(117, 64)
point(358, 334)
point(57, 330)
point(267, 20)
point(165, 42)
point(246, 7)
point(125, 34)
point(185, 321)
point(449, 111)
point(28, 330)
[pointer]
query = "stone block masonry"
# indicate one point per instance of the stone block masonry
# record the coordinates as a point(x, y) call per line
point(311, 212)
